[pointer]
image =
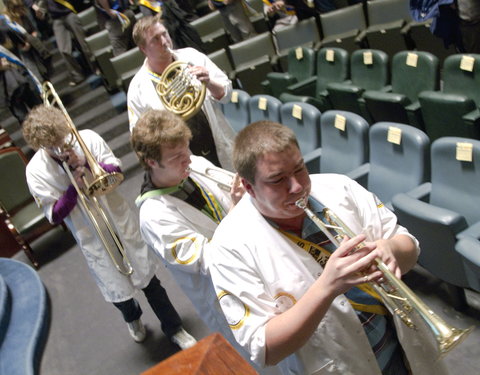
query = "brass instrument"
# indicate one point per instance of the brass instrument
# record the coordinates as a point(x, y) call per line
point(222, 177)
point(102, 183)
point(396, 295)
point(181, 92)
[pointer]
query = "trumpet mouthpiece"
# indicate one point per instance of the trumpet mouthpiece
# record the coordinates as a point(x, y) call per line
point(301, 203)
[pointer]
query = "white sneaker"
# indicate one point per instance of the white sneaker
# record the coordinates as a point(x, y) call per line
point(137, 330)
point(183, 339)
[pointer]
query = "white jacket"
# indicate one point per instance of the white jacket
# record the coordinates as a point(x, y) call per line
point(48, 181)
point(259, 273)
point(180, 235)
point(142, 96)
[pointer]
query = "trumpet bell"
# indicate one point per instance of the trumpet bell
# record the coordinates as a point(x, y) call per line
point(104, 184)
point(180, 92)
point(456, 337)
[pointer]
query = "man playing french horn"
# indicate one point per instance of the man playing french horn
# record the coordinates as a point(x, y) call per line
point(212, 134)
point(62, 199)
point(289, 296)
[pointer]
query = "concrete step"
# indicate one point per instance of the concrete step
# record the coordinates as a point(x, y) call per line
point(120, 145)
point(130, 164)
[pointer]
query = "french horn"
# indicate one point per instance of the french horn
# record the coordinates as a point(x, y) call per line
point(180, 91)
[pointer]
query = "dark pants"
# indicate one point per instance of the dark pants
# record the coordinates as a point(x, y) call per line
point(158, 299)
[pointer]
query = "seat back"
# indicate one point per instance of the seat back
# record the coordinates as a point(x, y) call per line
point(236, 110)
point(386, 19)
point(399, 159)
point(369, 69)
point(332, 66)
point(252, 61)
point(303, 33)
point(264, 107)
point(99, 44)
point(344, 141)
point(88, 20)
point(413, 72)
point(341, 26)
point(462, 77)
point(220, 58)
point(304, 120)
point(301, 62)
point(126, 65)
point(455, 182)
point(247, 52)
point(14, 191)
point(213, 35)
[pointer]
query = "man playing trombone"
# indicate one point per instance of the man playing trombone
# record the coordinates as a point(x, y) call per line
point(180, 208)
point(283, 286)
point(56, 178)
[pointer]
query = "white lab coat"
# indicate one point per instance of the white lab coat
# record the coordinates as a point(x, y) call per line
point(259, 273)
point(48, 181)
point(142, 96)
point(180, 235)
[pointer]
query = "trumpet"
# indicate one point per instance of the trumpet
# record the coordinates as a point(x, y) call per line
point(180, 92)
point(396, 295)
point(222, 177)
point(102, 183)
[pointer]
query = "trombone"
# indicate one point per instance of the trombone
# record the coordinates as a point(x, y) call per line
point(102, 183)
point(397, 296)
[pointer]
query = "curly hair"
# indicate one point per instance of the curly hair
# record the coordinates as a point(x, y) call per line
point(45, 127)
point(154, 129)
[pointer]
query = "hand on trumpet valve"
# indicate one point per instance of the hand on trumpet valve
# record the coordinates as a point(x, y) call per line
point(350, 265)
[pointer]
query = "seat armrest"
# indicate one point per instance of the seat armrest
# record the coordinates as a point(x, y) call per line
point(469, 248)
point(360, 174)
point(428, 212)
point(472, 231)
point(345, 87)
point(421, 192)
point(414, 107)
point(387, 88)
point(472, 118)
point(360, 38)
point(312, 160)
point(317, 153)
point(305, 87)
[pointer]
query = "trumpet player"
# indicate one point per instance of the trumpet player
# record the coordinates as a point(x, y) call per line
point(288, 295)
point(46, 130)
point(212, 135)
point(180, 209)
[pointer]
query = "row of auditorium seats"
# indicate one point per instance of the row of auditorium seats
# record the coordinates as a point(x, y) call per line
point(405, 90)
point(432, 187)
point(248, 62)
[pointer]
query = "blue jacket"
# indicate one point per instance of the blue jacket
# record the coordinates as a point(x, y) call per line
point(445, 21)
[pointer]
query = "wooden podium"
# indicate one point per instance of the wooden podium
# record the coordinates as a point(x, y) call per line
point(212, 355)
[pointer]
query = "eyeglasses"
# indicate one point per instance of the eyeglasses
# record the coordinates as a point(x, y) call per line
point(59, 151)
